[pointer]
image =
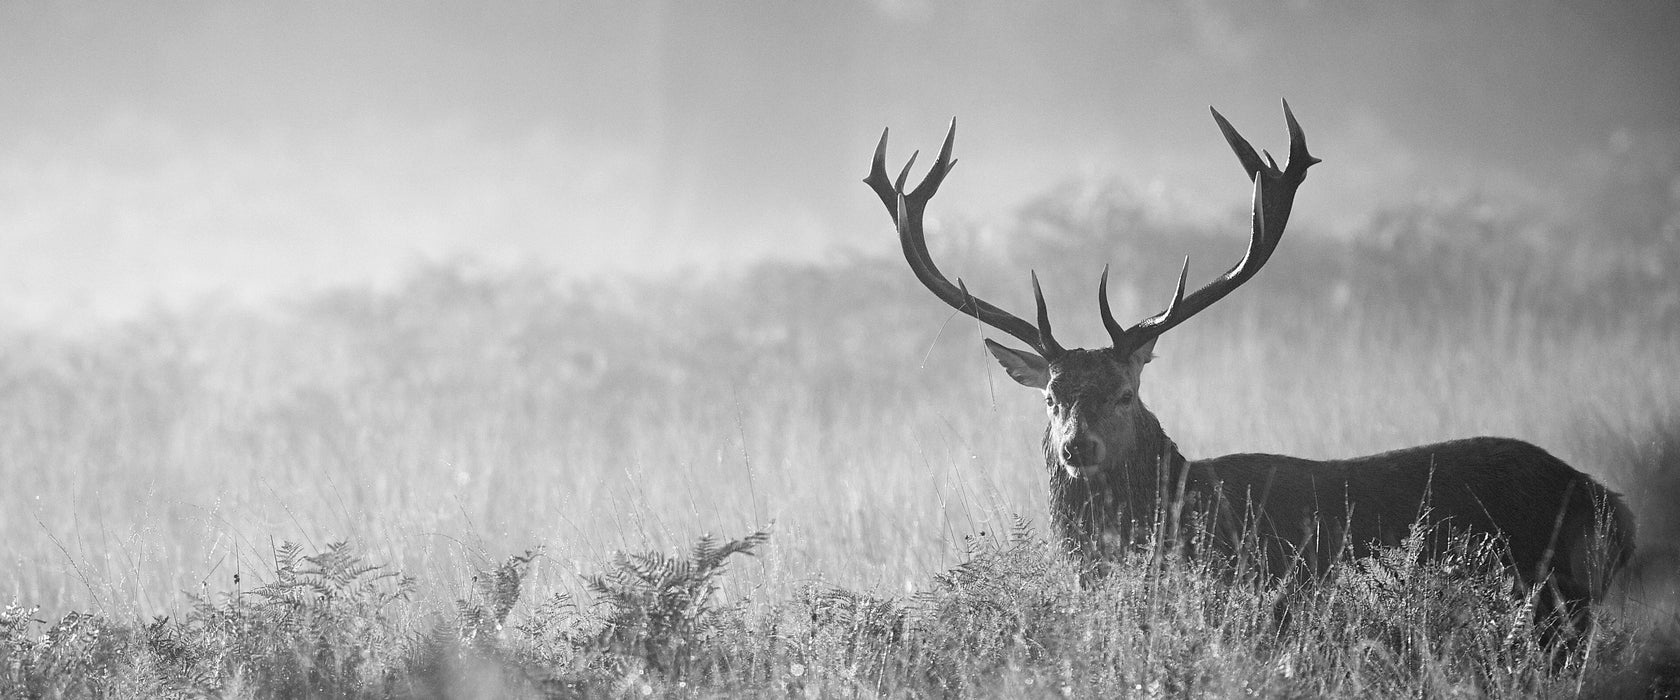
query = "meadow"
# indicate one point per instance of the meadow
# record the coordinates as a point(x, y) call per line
point(225, 495)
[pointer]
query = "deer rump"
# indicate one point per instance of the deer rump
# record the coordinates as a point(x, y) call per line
point(1301, 515)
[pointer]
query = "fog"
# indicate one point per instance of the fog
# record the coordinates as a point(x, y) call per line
point(172, 153)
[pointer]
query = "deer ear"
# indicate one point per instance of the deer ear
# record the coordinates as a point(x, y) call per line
point(1025, 367)
point(1143, 354)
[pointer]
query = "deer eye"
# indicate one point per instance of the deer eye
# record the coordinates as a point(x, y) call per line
point(1049, 401)
point(1126, 397)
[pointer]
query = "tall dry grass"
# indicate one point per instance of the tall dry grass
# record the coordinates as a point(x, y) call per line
point(471, 414)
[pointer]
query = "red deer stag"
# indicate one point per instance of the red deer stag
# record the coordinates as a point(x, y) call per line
point(1113, 471)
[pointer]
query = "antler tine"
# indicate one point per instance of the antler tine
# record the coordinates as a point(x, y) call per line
point(968, 299)
point(1297, 142)
point(941, 167)
point(1274, 195)
point(1115, 331)
point(1047, 342)
point(1178, 293)
point(1245, 152)
point(906, 210)
point(905, 173)
point(878, 180)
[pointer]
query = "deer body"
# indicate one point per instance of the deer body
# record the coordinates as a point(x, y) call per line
point(1304, 514)
point(1115, 475)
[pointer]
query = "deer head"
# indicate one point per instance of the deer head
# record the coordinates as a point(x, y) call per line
point(1097, 423)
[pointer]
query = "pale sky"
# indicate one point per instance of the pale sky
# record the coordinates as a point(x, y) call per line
point(183, 150)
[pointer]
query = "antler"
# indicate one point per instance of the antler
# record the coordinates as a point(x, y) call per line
point(1274, 195)
point(906, 210)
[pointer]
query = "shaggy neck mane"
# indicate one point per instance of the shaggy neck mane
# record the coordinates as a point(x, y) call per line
point(1117, 506)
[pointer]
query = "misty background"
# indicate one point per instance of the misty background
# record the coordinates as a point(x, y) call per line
point(172, 153)
point(452, 280)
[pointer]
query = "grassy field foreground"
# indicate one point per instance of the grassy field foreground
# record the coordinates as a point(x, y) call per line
point(421, 491)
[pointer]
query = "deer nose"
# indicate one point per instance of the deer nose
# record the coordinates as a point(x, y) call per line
point(1081, 451)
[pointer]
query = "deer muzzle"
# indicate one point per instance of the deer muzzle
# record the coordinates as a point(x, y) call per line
point(1082, 453)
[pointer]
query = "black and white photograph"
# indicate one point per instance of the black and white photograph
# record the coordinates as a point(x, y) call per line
point(842, 349)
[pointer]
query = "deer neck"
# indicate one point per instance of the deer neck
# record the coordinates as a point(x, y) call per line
point(1118, 505)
